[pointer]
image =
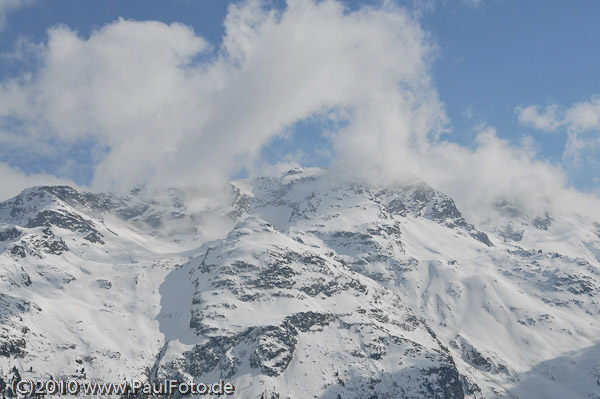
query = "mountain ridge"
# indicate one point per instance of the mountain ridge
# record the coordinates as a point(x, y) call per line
point(298, 264)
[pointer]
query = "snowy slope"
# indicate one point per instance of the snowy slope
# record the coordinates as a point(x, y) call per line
point(301, 285)
point(270, 311)
point(80, 282)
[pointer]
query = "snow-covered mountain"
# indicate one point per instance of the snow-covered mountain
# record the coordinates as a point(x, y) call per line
point(301, 286)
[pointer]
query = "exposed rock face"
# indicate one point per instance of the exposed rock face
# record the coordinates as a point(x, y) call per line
point(258, 267)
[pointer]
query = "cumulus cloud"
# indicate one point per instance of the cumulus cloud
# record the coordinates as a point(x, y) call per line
point(476, 177)
point(582, 116)
point(580, 122)
point(162, 112)
point(310, 59)
point(15, 180)
point(496, 170)
point(472, 3)
point(546, 119)
point(585, 115)
point(125, 88)
point(7, 6)
point(160, 105)
point(421, 7)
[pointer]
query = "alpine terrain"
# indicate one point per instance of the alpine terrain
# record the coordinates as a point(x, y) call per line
point(300, 286)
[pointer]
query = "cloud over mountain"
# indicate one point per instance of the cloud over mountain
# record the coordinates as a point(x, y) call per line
point(148, 102)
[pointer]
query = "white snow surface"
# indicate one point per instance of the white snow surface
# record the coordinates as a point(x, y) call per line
point(302, 286)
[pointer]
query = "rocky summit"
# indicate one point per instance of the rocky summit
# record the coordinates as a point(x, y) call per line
point(300, 286)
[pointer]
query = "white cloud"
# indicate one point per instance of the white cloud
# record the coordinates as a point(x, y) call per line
point(475, 178)
point(128, 87)
point(533, 116)
point(7, 6)
point(420, 7)
point(495, 170)
point(163, 108)
point(135, 88)
point(472, 3)
point(580, 117)
point(581, 123)
point(14, 181)
point(584, 116)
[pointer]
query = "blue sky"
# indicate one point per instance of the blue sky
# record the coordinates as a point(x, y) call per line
point(506, 53)
point(526, 71)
